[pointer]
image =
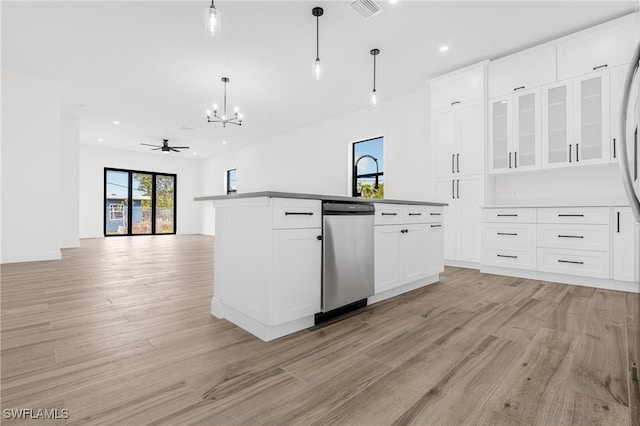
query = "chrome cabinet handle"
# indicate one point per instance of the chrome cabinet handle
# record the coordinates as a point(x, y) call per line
point(600, 66)
point(509, 160)
point(435, 214)
point(458, 188)
point(389, 214)
point(570, 154)
point(436, 226)
point(458, 163)
point(577, 152)
point(570, 215)
point(518, 88)
point(415, 214)
point(508, 215)
point(453, 163)
point(618, 219)
point(455, 103)
point(298, 213)
point(505, 255)
point(515, 159)
point(614, 148)
point(570, 236)
point(508, 233)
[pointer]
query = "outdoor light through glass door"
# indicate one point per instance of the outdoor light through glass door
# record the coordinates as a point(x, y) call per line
point(141, 199)
point(116, 197)
point(165, 204)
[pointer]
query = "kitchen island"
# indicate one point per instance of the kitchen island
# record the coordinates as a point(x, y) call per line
point(268, 256)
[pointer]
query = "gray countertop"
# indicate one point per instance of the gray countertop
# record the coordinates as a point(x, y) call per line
point(273, 194)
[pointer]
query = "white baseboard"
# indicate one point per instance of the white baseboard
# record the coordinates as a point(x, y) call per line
point(462, 264)
point(257, 328)
point(402, 289)
point(31, 257)
point(626, 286)
point(70, 244)
point(217, 308)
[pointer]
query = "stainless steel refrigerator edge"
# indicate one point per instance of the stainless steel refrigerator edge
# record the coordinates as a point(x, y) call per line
point(347, 253)
point(629, 166)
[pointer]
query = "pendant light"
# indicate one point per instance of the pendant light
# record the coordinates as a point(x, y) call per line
point(212, 20)
point(318, 72)
point(374, 97)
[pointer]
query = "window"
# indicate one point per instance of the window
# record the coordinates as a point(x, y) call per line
point(232, 181)
point(139, 203)
point(368, 168)
point(116, 212)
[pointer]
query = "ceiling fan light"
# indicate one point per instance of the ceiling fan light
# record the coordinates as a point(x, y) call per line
point(212, 20)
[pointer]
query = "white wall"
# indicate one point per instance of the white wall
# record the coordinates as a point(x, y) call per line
point(602, 185)
point(69, 181)
point(93, 160)
point(30, 168)
point(316, 159)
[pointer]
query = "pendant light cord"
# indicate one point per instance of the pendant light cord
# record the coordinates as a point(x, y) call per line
point(374, 73)
point(317, 38)
point(225, 99)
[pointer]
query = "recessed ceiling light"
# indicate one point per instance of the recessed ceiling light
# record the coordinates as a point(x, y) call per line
point(224, 142)
point(116, 122)
point(444, 48)
point(100, 140)
point(195, 153)
point(393, 1)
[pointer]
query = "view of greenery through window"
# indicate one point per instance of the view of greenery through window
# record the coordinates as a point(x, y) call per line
point(142, 200)
point(368, 168)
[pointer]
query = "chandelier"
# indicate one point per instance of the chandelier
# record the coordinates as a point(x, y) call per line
point(224, 118)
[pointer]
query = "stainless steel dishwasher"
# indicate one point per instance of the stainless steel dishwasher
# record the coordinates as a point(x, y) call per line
point(347, 254)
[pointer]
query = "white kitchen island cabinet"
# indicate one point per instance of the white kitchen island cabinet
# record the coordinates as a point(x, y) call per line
point(268, 256)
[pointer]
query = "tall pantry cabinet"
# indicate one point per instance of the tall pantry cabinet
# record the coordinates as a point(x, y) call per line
point(458, 151)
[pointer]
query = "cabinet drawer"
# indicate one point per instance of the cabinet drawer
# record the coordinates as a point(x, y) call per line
point(435, 215)
point(580, 237)
point(510, 258)
point(593, 264)
point(512, 215)
point(590, 215)
point(524, 70)
point(509, 236)
point(606, 46)
point(415, 214)
point(291, 213)
point(389, 214)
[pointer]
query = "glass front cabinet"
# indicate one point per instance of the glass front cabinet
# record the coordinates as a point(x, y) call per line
point(515, 132)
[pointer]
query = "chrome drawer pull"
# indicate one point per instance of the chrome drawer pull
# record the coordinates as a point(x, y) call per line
point(298, 213)
point(570, 236)
point(436, 226)
point(570, 261)
point(507, 233)
point(415, 214)
point(389, 214)
point(570, 215)
point(510, 257)
point(600, 66)
point(435, 214)
point(507, 215)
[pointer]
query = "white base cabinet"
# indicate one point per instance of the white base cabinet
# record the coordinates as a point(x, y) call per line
point(408, 245)
point(592, 246)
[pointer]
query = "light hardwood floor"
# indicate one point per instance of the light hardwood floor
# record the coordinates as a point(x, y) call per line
point(119, 332)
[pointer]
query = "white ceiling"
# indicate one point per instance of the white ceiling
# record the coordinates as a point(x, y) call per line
point(150, 65)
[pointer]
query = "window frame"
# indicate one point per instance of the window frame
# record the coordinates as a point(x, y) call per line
point(128, 211)
point(228, 179)
point(354, 171)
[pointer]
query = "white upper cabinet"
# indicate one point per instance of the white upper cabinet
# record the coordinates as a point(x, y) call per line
point(575, 121)
point(524, 70)
point(457, 123)
point(616, 83)
point(557, 123)
point(605, 46)
point(515, 132)
point(591, 93)
point(458, 88)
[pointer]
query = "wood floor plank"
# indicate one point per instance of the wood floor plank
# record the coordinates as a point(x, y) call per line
point(119, 331)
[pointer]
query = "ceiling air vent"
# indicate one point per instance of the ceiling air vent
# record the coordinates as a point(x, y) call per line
point(366, 8)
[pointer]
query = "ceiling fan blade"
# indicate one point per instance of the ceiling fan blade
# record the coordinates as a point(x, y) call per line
point(146, 144)
point(173, 149)
point(180, 147)
point(155, 149)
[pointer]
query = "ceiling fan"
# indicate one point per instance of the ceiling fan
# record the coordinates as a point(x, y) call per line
point(165, 147)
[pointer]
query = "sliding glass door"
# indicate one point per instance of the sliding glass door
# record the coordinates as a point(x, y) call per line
point(139, 203)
